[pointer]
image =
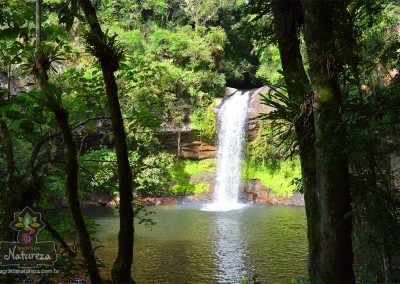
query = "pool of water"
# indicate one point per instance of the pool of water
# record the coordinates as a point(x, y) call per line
point(188, 245)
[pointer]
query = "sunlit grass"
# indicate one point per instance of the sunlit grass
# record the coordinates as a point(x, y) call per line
point(193, 167)
point(278, 178)
point(186, 168)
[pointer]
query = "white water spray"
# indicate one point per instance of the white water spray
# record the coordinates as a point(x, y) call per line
point(232, 117)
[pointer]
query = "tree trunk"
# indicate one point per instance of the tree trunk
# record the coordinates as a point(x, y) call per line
point(121, 271)
point(8, 194)
point(72, 178)
point(72, 166)
point(72, 172)
point(108, 56)
point(333, 189)
point(73, 196)
point(38, 22)
point(288, 18)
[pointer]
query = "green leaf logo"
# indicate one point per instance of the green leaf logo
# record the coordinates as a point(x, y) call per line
point(27, 219)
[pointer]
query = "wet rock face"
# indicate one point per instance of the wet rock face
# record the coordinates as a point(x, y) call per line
point(255, 109)
point(187, 142)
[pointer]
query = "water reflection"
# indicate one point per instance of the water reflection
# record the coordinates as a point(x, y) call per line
point(229, 247)
point(192, 246)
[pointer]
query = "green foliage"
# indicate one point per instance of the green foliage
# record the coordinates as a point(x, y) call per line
point(267, 148)
point(373, 121)
point(279, 177)
point(380, 45)
point(187, 188)
point(180, 178)
point(132, 40)
point(270, 64)
point(179, 63)
point(270, 160)
point(101, 166)
point(193, 167)
point(204, 119)
point(178, 57)
point(152, 171)
point(186, 168)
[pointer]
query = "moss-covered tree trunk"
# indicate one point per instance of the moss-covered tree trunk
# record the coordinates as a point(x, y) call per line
point(103, 47)
point(332, 176)
point(288, 19)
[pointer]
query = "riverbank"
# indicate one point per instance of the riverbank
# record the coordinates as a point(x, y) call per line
point(192, 181)
point(254, 193)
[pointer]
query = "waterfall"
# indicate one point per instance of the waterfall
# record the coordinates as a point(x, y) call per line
point(232, 117)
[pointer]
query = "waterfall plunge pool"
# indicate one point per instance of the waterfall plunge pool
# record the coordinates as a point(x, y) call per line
point(218, 242)
point(188, 245)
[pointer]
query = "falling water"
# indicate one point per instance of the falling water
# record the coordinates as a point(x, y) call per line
point(232, 117)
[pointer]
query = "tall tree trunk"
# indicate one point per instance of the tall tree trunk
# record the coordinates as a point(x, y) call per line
point(336, 254)
point(109, 56)
point(72, 174)
point(288, 18)
point(38, 23)
point(72, 167)
point(8, 206)
point(73, 196)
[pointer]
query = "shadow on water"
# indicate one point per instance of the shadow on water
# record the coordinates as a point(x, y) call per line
point(192, 246)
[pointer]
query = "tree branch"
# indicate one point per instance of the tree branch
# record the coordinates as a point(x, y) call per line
point(40, 144)
point(58, 237)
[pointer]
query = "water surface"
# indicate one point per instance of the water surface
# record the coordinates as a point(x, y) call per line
point(192, 246)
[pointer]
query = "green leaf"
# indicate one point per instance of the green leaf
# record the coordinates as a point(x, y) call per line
point(12, 114)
